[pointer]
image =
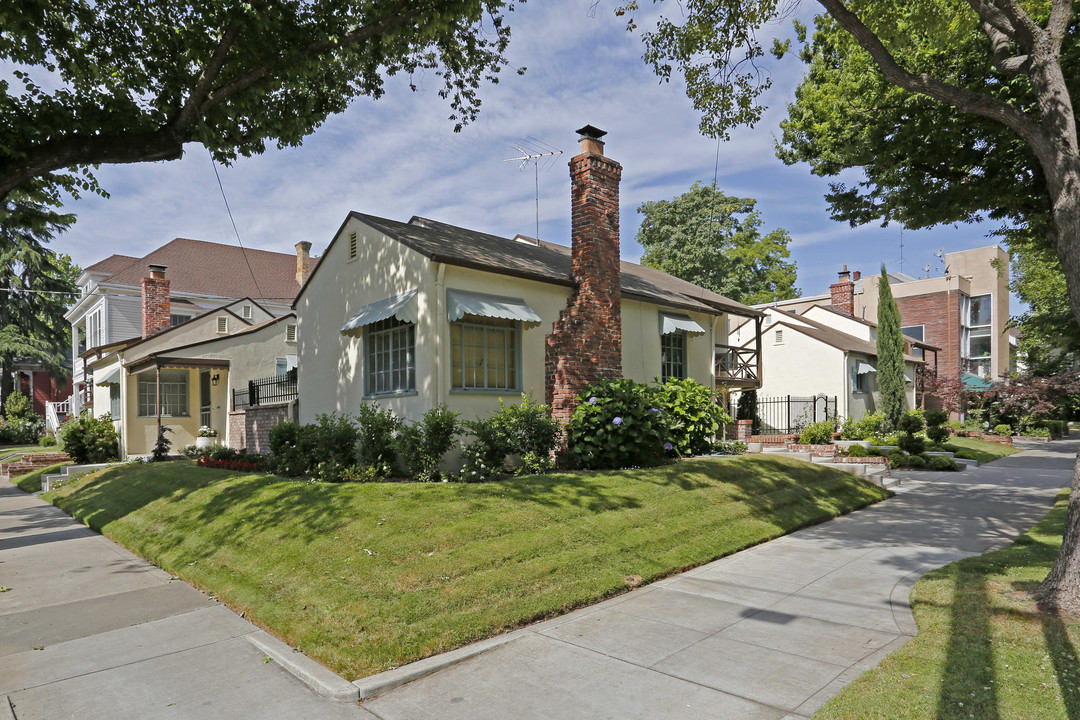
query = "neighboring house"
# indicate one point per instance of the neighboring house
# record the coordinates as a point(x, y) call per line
point(965, 312)
point(38, 384)
point(202, 276)
point(825, 353)
point(186, 376)
point(414, 314)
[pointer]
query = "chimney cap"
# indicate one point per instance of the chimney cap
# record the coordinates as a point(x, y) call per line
point(591, 132)
point(155, 268)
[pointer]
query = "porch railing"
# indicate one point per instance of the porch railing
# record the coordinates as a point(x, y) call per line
point(266, 391)
point(737, 367)
point(56, 413)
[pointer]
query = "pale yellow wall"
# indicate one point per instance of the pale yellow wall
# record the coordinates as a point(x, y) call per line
point(848, 325)
point(641, 343)
point(141, 432)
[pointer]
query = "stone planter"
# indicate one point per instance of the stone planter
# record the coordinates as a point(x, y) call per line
point(204, 442)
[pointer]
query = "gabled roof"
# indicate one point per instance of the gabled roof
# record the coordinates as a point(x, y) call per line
point(835, 338)
point(867, 323)
point(544, 261)
point(207, 268)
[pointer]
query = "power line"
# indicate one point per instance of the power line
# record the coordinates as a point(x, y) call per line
point(243, 250)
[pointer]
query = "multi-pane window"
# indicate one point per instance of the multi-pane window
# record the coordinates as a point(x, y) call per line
point(390, 355)
point(177, 319)
point(174, 394)
point(977, 340)
point(673, 355)
point(114, 400)
point(484, 354)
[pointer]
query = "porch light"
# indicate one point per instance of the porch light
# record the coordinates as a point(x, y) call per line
point(214, 379)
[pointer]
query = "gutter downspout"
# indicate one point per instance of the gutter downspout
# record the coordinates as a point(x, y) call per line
point(440, 316)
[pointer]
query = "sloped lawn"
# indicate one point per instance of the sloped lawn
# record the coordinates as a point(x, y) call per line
point(368, 577)
point(983, 649)
point(982, 450)
point(31, 482)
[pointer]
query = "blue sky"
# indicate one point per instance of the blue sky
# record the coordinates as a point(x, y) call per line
point(398, 157)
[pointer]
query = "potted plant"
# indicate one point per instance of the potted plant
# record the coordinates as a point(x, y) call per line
point(206, 436)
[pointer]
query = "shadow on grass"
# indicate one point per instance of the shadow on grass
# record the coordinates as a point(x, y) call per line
point(967, 686)
point(1066, 664)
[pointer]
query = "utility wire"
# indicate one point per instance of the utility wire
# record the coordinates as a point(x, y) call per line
point(243, 250)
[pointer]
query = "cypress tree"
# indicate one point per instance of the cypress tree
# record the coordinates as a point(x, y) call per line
point(890, 354)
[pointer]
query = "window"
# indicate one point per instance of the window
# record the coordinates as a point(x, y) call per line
point(976, 338)
point(174, 394)
point(290, 333)
point(246, 312)
point(352, 245)
point(223, 324)
point(861, 383)
point(114, 400)
point(94, 330)
point(177, 319)
point(390, 354)
point(673, 355)
point(779, 337)
point(484, 354)
point(915, 331)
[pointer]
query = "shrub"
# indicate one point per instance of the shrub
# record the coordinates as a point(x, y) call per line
point(22, 431)
point(864, 428)
point(1038, 432)
point(375, 438)
point(911, 422)
point(536, 464)
point(1003, 430)
point(897, 458)
point(524, 429)
point(911, 444)
point(332, 437)
point(916, 462)
point(485, 456)
point(693, 414)
point(290, 447)
point(424, 443)
point(617, 423)
point(819, 433)
point(529, 426)
point(733, 447)
point(936, 417)
point(940, 462)
point(89, 439)
point(48, 440)
point(856, 451)
point(937, 434)
point(747, 410)
point(161, 447)
point(873, 451)
point(18, 407)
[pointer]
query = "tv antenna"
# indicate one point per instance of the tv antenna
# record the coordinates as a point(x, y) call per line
point(926, 270)
point(536, 153)
point(940, 255)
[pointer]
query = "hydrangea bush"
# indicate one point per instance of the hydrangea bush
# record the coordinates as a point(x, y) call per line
point(618, 423)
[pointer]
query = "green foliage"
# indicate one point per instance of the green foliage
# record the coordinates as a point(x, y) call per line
point(529, 427)
point(819, 433)
point(940, 462)
point(730, 447)
point(1039, 432)
point(424, 443)
point(897, 458)
point(21, 431)
point(525, 429)
point(618, 423)
point(856, 451)
point(89, 439)
point(890, 355)
point(693, 415)
point(935, 417)
point(916, 462)
point(747, 410)
point(375, 438)
point(864, 428)
point(48, 440)
point(17, 407)
point(910, 424)
point(1049, 333)
point(937, 434)
point(301, 449)
point(1003, 430)
point(290, 449)
point(713, 240)
point(130, 82)
point(161, 448)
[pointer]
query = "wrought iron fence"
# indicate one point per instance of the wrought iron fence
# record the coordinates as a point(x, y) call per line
point(790, 414)
point(266, 391)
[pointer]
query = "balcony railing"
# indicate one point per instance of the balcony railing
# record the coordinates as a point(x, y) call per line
point(737, 367)
point(266, 391)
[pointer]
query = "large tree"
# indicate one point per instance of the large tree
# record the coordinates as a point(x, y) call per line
point(998, 64)
point(714, 240)
point(113, 81)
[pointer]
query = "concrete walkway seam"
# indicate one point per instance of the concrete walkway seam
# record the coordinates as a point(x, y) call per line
point(317, 677)
point(382, 683)
point(6, 713)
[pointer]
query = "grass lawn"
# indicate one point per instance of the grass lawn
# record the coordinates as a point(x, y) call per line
point(368, 577)
point(31, 482)
point(14, 452)
point(983, 649)
point(981, 450)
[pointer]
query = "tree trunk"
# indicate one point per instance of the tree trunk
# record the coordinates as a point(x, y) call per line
point(1060, 591)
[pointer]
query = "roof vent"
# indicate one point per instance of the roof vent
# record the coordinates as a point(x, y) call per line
point(589, 139)
point(526, 240)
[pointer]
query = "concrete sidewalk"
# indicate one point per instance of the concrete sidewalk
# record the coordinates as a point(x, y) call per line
point(766, 634)
point(88, 630)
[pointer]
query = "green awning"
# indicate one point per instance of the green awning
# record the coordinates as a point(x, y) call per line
point(862, 367)
point(670, 323)
point(975, 383)
point(112, 378)
point(460, 303)
point(402, 307)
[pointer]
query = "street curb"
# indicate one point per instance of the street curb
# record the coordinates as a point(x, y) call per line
point(304, 669)
point(376, 685)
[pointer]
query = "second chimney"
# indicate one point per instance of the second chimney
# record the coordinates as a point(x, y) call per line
point(156, 305)
point(843, 293)
point(303, 261)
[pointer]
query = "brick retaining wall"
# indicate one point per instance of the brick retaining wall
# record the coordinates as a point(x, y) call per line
point(249, 429)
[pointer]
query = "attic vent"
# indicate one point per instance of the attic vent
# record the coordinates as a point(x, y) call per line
point(352, 245)
point(779, 337)
point(247, 312)
point(290, 333)
point(223, 324)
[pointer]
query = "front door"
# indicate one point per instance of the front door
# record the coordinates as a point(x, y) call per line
point(204, 398)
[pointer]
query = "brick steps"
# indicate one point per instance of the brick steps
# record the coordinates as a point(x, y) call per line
point(30, 462)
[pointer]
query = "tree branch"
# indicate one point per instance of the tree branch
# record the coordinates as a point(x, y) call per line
point(1061, 13)
point(190, 112)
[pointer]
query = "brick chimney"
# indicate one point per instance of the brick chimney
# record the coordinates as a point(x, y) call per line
point(303, 261)
point(843, 293)
point(155, 302)
point(586, 341)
